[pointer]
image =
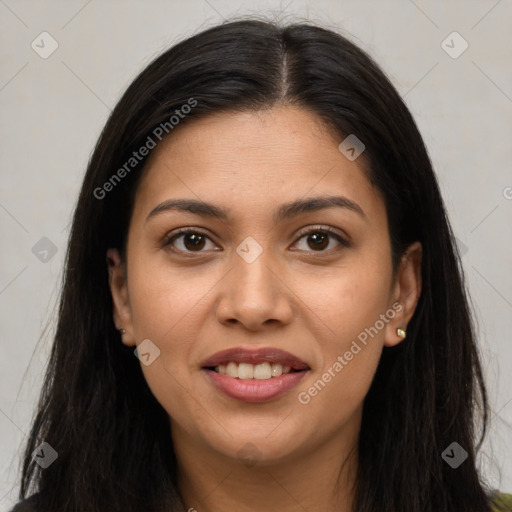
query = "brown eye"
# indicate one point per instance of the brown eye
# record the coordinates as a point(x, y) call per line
point(189, 241)
point(319, 240)
point(193, 241)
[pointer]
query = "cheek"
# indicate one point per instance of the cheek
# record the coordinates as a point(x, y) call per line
point(169, 313)
point(336, 396)
point(169, 307)
point(350, 305)
point(166, 303)
point(176, 394)
point(348, 299)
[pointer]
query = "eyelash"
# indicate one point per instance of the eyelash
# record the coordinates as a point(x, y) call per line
point(314, 230)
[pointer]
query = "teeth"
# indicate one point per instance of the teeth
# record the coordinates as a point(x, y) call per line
point(245, 371)
point(232, 369)
point(262, 371)
point(276, 369)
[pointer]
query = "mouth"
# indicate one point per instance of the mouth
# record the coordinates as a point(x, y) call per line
point(260, 364)
point(254, 375)
point(246, 371)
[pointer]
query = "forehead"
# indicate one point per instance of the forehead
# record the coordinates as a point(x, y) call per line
point(254, 160)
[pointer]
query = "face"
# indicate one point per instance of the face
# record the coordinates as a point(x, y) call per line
point(277, 252)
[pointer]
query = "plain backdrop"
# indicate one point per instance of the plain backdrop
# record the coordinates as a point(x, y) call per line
point(53, 109)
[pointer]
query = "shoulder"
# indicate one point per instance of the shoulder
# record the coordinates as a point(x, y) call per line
point(28, 505)
point(501, 502)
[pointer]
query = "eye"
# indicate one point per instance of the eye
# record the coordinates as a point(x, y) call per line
point(319, 239)
point(188, 240)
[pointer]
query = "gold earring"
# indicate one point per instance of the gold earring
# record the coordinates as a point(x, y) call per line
point(401, 333)
point(121, 330)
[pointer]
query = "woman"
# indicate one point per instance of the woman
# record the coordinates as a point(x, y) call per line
point(263, 305)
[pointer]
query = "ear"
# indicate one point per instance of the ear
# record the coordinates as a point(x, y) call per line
point(405, 293)
point(120, 299)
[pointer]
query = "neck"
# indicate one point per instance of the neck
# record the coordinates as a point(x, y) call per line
point(319, 478)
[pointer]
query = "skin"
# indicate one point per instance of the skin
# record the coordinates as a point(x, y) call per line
point(308, 300)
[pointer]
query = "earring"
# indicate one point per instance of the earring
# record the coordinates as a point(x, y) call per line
point(121, 330)
point(401, 332)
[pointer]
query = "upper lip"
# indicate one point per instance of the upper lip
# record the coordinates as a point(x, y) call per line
point(255, 356)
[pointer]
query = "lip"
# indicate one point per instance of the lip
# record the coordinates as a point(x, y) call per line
point(254, 390)
point(255, 356)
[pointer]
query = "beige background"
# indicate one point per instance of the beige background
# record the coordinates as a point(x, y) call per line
point(53, 110)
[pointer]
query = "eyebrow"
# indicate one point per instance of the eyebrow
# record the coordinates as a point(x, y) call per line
point(284, 212)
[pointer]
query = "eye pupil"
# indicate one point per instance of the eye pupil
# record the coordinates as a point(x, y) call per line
point(320, 240)
point(195, 240)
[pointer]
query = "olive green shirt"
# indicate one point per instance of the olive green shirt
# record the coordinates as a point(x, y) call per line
point(502, 503)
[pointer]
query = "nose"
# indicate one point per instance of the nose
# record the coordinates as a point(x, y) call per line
point(254, 295)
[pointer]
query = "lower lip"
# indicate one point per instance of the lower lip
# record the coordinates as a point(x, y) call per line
point(254, 390)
